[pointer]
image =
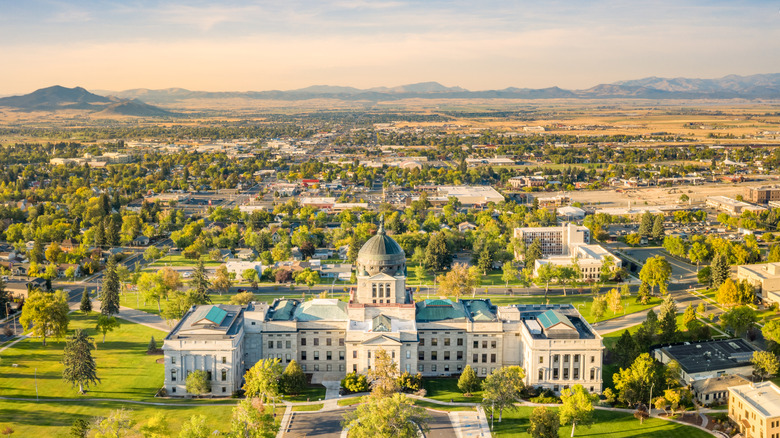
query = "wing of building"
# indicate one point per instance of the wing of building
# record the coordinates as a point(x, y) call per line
point(439, 337)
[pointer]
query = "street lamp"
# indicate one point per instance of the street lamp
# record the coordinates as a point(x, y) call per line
point(650, 404)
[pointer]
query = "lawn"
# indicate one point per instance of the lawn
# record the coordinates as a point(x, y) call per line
point(438, 407)
point(446, 389)
point(179, 260)
point(54, 419)
point(308, 408)
point(607, 423)
point(311, 393)
point(350, 401)
point(123, 366)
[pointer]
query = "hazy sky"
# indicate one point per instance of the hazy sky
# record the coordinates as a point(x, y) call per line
point(287, 44)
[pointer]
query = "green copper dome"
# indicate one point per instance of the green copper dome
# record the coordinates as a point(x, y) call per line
point(381, 254)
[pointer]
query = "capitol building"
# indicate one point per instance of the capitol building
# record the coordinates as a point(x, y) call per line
point(329, 338)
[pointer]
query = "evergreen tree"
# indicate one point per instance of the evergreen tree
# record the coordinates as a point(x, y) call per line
point(658, 228)
point(720, 269)
point(80, 369)
point(111, 231)
point(625, 350)
point(437, 256)
point(533, 253)
point(86, 302)
point(200, 284)
point(105, 205)
point(668, 320)
point(109, 296)
point(293, 379)
point(152, 348)
point(485, 261)
point(646, 226)
point(5, 299)
point(651, 322)
point(79, 429)
point(643, 294)
point(100, 235)
point(36, 254)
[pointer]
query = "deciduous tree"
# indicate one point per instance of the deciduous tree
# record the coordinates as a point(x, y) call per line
point(544, 423)
point(765, 364)
point(577, 407)
point(394, 416)
point(461, 280)
point(502, 388)
point(262, 380)
point(197, 383)
point(47, 313)
point(468, 381)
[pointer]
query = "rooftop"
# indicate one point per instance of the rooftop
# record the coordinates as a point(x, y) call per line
point(720, 354)
point(764, 397)
point(209, 322)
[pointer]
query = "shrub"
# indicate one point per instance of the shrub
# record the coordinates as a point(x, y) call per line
point(355, 382)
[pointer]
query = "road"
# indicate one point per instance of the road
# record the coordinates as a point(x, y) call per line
point(327, 424)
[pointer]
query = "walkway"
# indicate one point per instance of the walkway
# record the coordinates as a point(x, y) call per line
point(118, 400)
point(133, 315)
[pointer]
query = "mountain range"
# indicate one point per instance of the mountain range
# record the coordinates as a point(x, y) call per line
point(142, 101)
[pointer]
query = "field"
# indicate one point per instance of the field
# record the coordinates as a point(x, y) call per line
point(607, 423)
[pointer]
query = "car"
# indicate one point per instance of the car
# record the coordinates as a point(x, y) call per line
point(241, 290)
point(187, 275)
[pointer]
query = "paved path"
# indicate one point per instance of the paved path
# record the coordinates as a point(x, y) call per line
point(120, 400)
point(132, 315)
point(470, 424)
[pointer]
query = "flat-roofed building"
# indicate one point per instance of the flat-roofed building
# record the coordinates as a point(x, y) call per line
point(764, 194)
point(589, 259)
point(706, 359)
point(554, 240)
point(765, 277)
point(527, 181)
point(732, 206)
point(755, 408)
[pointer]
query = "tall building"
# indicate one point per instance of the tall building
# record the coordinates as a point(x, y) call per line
point(764, 194)
point(554, 240)
point(437, 337)
point(755, 408)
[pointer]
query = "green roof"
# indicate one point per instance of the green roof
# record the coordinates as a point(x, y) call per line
point(212, 314)
point(437, 310)
point(552, 317)
point(381, 324)
point(481, 310)
point(283, 310)
point(322, 309)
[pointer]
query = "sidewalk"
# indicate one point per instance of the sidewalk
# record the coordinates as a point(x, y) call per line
point(132, 315)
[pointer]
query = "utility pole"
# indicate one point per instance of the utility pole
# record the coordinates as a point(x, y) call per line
point(650, 404)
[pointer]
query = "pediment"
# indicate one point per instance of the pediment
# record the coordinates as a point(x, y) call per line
point(381, 277)
point(381, 340)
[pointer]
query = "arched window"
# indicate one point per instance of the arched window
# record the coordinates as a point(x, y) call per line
point(387, 290)
point(373, 290)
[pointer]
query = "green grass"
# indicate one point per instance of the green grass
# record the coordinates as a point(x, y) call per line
point(179, 260)
point(446, 389)
point(123, 366)
point(438, 407)
point(54, 419)
point(350, 401)
point(607, 423)
point(308, 408)
point(311, 393)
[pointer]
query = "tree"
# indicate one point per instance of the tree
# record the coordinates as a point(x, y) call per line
point(152, 347)
point(468, 381)
point(641, 413)
point(704, 276)
point(633, 383)
point(106, 324)
point(47, 313)
point(53, 252)
point(152, 253)
point(720, 269)
point(354, 382)
point(80, 369)
point(115, 425)
point(156, 427)
point(689, 317)
point(262, 380)
point(242, 298)
point(383, 376)
point(195, 427)
point(79, 429)
point(668, 320)
point(437, 256)
point(672, 396)
point(765, 364)
point(577, 407)
point(544, 423)
point(36, 254)
point(698, 253)
point(533, 253)
point(646, 225)
point(200, 283)
point(545, 273)
point(250, 420)
point(152, 288)
point(222, 281)
point(771, 332)
point(508, 272)
point(739, 319)
point(308, 277)
point(502, 388)
point(598, 307)
point(656, 271)
point(250, 275)
point(197, 383)
point(86, 303)
point(643, 294)
point(485, 260)
point(293, 379)
point(460, 280)
point(615, 301)
point(658, 227)
point(625, 350)
point(109, 296)
point(380, 417)
point(727, 293)
point(170, 278)
point(410, 382)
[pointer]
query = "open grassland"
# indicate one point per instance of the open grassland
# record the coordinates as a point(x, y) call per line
point(607, 423)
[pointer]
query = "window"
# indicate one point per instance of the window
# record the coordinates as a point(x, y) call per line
point(446, 368)
point(341, 342)
point(173, 389)
point(287, 345)
point(576, 358)
point(475, 358)
point(224, 375)
point(420, 355)
point(434, 342)
point(341, 367)
point(493, 358)
point(392, 354)
point(328, 367)
point(328, 355)
point(303, 355)
point(224, 359)
point(433, 368)
point(208, 375)
point(592, 359)
point(173, 375)
point(459, 355)
point(328, 342)
point(576, 373)
point(484, 344)
point(556, 358)
point(422, 342)
point(408, 354)
point(592, 373)
point(354, 367)
point(287, 357)
point(460, 342)
point(555, 373)
point(484, 371)
point(420, 368)
point(434, 355)
point(278, 344)
point(408, 368)
point(446, 342)
point(484, 358)
point(354, 354)
point(493, 344)
point(541, 374)
point(341, 356)
point(303, 341)
point(316, 355)
point(565, 374)
point(476, 344)
point(373, 291)
point(446, 355)
point(173, 360)
point(541, 359)
point(316, 367)
point(270, 344)
point(316, 341)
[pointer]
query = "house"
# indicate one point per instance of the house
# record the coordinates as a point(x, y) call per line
point(68, 245)
point(296, 253)
point(466, 226)
point(141, 241)
point(715, 390)
point(322, 253)
point(239, 266)
point(246, 254)
point(38, 283)
point(62, 267)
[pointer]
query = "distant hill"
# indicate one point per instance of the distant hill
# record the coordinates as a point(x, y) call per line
point(763, 86)
point(61, 98)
